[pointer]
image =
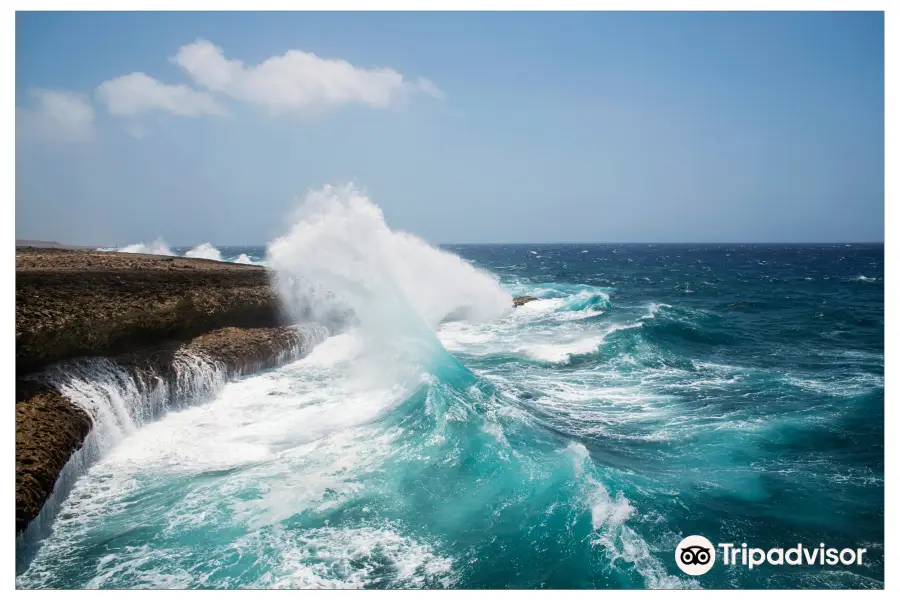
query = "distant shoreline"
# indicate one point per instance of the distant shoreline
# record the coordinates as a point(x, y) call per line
point(43, 244)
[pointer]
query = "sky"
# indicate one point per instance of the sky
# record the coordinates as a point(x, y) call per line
point(462, 127)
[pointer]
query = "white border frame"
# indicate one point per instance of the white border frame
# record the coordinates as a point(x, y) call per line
point(892, 34)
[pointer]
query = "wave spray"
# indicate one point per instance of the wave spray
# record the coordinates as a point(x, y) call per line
point(341, 265)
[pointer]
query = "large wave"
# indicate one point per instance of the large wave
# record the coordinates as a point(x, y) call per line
point(560, 437)
point(340, 262)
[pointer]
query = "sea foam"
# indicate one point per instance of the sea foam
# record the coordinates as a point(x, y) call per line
point(340, 264)
point(158, 246)
point(205, 250)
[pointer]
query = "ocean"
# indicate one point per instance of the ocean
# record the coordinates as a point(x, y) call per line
point(435, 437)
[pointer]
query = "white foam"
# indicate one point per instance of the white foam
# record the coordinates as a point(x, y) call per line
point(340, 264)
point(124, 407)
point(609, 516)
point(838, 386)
point(332, 558)
point(119, 402)
point(340, 255)
point(243, 259)
point(158, 246)
point(539, 307)
point(542, 330)
point(560, 353)
point(653, 309)
point(292, 439)
point(204, 250)
point(558, 345)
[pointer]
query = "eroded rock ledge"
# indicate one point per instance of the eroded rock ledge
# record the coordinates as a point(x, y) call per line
point(140, 311)
point(50, 428)
point(71, 304)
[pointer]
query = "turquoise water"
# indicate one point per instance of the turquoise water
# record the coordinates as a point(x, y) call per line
point(652, 392)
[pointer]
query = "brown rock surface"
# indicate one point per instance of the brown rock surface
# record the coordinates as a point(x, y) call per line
point(49, 428)
point(238, 350)
point(75, 303)
point(245, 350)
point(138, 310)
point(520, 300)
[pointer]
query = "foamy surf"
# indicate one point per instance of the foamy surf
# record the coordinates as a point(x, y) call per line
point(441, 438)
point(156, 247)
point(341, 255)
point(205, 250)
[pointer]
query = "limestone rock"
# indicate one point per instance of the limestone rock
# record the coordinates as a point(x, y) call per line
point(520, 300)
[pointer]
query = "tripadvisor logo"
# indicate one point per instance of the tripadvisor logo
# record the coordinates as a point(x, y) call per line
point(696, 555)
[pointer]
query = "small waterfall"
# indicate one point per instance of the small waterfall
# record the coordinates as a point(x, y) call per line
point(121, 399)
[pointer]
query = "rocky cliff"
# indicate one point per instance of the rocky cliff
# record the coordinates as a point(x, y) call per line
point(140, 311)
point(71, 304)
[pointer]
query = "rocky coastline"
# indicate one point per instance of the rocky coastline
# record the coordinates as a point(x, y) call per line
point(72, 303)
point(141, 312)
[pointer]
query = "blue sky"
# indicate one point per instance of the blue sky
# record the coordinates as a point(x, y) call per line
point(525, 127)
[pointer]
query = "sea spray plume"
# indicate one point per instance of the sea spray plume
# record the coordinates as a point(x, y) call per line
point(204, 250)
point(342, 266)
point(340, 255)
point(157, 247)
point(243, 259)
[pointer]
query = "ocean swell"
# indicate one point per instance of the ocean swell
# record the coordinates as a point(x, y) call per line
point(440, 438)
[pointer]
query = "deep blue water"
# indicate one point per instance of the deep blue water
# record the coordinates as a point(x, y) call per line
point(766, 368)
point(652, 392)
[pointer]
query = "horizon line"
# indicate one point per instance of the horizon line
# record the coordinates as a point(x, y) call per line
point(819, 243)
point(581, 243)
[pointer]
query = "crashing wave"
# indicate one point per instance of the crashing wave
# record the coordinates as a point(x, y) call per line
point(158, 246)
point(204, 250)
point(340, 258)
point(120, 400)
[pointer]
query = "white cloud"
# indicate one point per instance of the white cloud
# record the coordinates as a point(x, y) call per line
point(56, 116)
point(138, 93)
point(297, 81)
